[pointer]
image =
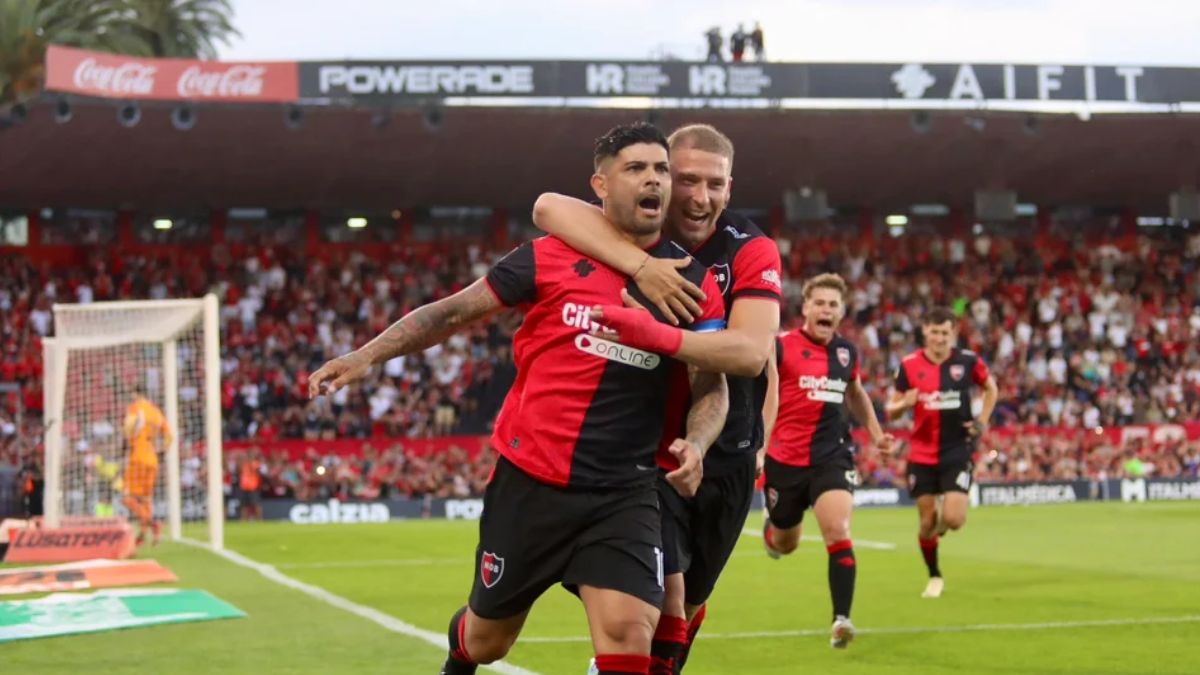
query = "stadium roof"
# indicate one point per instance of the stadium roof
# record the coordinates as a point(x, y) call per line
point(247, 156)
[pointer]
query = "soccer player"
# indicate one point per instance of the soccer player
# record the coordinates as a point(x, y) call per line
point(144, 424)
point(809, 462)
point(936, 382)
point(699, 533)
point(572, 498)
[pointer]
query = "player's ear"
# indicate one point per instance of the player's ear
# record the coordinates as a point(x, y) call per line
point(600, 185)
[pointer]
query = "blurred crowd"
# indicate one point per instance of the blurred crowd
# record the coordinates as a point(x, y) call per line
point(1083, 330)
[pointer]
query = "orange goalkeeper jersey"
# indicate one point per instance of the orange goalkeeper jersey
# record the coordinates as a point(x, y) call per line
point(144, 422)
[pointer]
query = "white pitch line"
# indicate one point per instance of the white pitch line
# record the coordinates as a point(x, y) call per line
point(385, 562)
point(903, 630)
point(387, 621)
point(858, 543)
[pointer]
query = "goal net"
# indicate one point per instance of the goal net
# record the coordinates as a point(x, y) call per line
point(103, 358)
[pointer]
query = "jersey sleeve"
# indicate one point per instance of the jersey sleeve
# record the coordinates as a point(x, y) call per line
point(901, 379)
point(980, 372)
point(513, 278)
point(757, 271)
point(778, 352)
point(855, 358)
point(712, 317)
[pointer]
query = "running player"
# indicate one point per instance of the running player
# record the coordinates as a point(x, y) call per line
point(936, 382)
point(809, 461)
point(144, 424)
point(699, 533)
point(572, 498)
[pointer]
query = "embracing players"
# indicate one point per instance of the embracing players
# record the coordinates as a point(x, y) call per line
point(699, 532)
point(809, 461)
point(572, 499)
point(936, 383)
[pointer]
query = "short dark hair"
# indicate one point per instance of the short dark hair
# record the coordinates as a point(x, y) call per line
point(620, 137)
point(939, 315)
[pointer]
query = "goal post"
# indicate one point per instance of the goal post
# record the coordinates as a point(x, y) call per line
point(103, 356)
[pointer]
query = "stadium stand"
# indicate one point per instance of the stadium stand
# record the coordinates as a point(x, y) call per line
point(1083, 337)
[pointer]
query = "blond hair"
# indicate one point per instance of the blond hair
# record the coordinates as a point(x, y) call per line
point(703, 137)
point(827, 280)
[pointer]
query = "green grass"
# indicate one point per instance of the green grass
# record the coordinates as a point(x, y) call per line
point(1018, 565)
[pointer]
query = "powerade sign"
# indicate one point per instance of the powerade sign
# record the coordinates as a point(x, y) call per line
point(381, 81)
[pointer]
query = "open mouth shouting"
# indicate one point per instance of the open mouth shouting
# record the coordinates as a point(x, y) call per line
point(650, 205)
point(824, 322)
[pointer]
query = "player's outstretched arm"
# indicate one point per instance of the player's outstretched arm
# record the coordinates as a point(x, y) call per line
point(741, 349)
point(706, 418)
point(860, 406)
point(418, 330)
point(584, 228)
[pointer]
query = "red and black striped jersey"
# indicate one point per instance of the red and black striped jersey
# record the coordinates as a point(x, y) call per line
point(813, 423)
point(583, 412)
point(943, 404)
point(745, 263)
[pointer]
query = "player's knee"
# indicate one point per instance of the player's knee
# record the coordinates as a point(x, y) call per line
point(786, 541)
point(955, 521)
point(490, 646)
point(631, 634)
point(836, 533)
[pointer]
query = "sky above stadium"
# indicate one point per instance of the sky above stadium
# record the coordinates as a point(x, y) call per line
point(1141, 32)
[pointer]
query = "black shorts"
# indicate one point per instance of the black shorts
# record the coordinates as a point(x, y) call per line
point(533, 535)
point(700, 533)
point(791, 490)
point(928, 479)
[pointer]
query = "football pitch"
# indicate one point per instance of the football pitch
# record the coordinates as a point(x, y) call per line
point(1080, 588)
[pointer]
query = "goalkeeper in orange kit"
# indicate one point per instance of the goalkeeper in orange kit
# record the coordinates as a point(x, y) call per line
point(144, 424)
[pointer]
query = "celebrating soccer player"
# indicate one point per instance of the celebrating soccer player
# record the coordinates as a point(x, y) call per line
point(809, 461)
point(699, 533)
point(936, 382)
point(573, 498)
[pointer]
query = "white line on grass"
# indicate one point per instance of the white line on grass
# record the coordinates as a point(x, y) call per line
point(384, 562)
point(858, 543)
point(369, 613)
point(901, 630)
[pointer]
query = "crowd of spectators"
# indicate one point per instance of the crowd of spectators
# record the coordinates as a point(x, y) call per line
point(1083, 330)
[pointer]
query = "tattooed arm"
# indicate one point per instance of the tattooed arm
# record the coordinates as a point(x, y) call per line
point(418, 330)
point(710, 404)
point(706, 418)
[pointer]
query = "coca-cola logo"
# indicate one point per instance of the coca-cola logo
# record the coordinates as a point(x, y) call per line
point(233, 82)
point(127, 78)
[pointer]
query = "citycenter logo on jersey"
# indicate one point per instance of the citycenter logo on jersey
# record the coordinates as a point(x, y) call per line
point(824, 388)
point(941, 400)
point(576, 316)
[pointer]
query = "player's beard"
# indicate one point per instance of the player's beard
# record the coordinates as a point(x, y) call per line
point(630, 219)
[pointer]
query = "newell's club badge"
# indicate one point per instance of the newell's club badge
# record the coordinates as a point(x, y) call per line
point(957, 372)
point(491, 568)
point(843, 355)
point(722, 276)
